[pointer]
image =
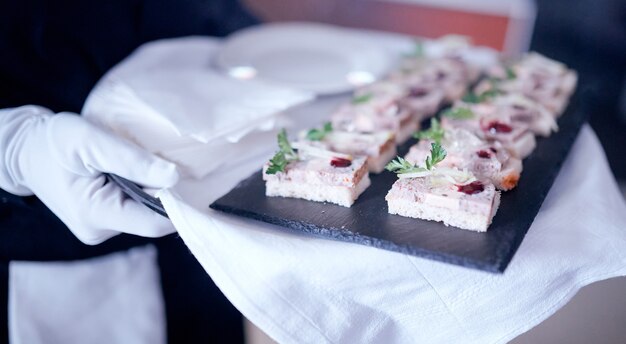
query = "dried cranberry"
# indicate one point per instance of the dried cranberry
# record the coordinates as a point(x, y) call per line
point(340, 162)
point(471, 188)
point(483, 154)
point(493, 149)
point(417, 92)
point(497, 127)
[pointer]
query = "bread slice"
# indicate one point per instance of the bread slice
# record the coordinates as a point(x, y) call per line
point(429, 198)
point(318, 180)
point(377, 163)
point(369, 119)
point(423, 98)
point(378, 147)
point(449, 75)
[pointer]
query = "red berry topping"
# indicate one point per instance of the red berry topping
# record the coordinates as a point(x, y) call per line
point(497, 127)
point(483, 154)
point(340, 162)
point(471, 188)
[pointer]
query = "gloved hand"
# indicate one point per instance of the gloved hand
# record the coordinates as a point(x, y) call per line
point(60, 158)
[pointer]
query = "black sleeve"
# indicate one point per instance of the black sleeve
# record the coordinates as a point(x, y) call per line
point(52, 52)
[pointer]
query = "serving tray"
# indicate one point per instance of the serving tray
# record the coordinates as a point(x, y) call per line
point(368, 223)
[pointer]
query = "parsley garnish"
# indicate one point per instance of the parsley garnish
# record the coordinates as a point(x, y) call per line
point(510, 73)
point(434, 133)
point(319, 134)
point(283, 144)
point(418, 50)
point(494, 90)
point(362, 98)
point(437, 154)
point(490, 93)
point(277, 163)
point(471, 97)
point(284, 156)
point(402, 166)
point(458, 113)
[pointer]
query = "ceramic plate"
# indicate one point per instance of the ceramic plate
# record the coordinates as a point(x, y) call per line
point(320, 58)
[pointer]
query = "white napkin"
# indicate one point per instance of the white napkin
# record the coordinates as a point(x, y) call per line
point(300, 289)
point(110, 299)
point(167, 97)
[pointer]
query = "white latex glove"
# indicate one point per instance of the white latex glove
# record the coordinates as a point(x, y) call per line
point(60, 158)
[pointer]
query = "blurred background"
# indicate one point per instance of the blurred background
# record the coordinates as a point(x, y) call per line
point(587, 35)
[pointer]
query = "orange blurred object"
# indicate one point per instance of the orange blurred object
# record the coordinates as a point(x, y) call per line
point(505, 25)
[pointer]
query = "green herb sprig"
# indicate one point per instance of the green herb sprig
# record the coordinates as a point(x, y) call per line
point(418, 50)
point(402, 166)
point(319, 134)
point(437, 154)
point(458, 113)
point(434, 133)
point(284, 156)
point(364, 98)
point(490, 93)
point(510, 73)
point(473, 98)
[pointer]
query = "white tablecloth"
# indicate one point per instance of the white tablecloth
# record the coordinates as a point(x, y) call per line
point(300, 289)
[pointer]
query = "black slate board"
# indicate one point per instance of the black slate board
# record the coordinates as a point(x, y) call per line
point(368, 223)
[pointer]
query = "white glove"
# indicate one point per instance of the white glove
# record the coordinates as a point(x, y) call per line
point(61, 158)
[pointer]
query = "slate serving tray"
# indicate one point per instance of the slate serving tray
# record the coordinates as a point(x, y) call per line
point(368, 223)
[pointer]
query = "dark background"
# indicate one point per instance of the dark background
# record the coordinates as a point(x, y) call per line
point(590, 36)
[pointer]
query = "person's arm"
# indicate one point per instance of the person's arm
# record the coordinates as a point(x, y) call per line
point(61, 159)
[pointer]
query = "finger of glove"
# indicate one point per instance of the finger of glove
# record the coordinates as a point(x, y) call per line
point(109, 211)
point(89, 150)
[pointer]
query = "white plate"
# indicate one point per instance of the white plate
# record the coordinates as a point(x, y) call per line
point(314, 57)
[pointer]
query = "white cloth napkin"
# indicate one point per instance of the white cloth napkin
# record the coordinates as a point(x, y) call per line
point(300, 289)
point(110, 299)
point(182, 108)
